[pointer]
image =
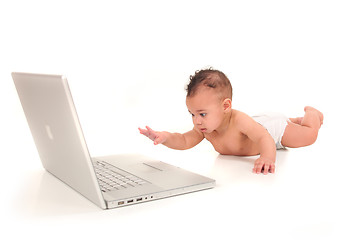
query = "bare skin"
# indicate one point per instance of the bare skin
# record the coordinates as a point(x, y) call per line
point(232, 132)
point(303, 131)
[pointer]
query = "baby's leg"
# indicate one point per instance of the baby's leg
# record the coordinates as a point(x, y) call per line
point(297, 120)
point(302, 132)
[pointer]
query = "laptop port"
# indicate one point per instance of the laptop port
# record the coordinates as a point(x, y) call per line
point(120, 203)
point(130, 201)
point(139, 199)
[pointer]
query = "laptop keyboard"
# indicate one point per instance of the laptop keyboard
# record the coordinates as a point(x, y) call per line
point(112, 178)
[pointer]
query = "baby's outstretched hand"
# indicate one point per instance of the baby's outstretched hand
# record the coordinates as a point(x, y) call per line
point(264, 165)
point(157, 137)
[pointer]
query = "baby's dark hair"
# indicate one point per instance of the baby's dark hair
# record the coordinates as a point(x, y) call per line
point(210, 78)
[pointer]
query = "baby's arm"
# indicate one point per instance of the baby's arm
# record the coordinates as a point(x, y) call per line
point(174, 140)
point(264, 141)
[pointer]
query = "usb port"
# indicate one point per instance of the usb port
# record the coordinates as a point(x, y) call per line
point(139, 199)
point(130, 201)
point(120, 203)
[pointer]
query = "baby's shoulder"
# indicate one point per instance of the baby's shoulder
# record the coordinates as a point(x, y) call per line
point(240, 119)
point(238, 115)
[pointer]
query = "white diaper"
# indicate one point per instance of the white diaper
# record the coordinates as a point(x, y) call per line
point(275, 124)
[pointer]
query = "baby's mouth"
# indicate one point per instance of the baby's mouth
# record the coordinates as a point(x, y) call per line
point(203, 129)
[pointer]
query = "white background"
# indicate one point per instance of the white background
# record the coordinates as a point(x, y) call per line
point(127, 63)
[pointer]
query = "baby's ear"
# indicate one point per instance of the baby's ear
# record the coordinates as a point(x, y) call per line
point(227, 104)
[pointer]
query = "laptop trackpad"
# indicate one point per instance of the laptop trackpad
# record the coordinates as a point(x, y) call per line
point(153, 167)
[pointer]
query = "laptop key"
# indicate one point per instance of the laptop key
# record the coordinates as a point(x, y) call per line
point(111, 178)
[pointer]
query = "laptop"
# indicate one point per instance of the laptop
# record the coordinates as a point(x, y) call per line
point(108, 181)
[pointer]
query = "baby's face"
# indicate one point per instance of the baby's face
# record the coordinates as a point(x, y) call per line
point(207, 110)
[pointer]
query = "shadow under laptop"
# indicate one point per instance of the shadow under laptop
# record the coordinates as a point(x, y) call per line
point(45, 195)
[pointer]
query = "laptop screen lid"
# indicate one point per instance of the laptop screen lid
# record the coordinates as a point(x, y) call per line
point(54, 124)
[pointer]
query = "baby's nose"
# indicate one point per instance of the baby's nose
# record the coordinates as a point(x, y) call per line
point(197, 121)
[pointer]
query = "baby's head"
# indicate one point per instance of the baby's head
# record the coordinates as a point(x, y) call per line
point(209, 95)
point(212, 79)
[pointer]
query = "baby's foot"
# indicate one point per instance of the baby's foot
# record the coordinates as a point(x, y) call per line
point(308, 108)
point(297, 120)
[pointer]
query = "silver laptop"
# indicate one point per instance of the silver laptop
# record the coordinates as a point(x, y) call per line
point(109, 182)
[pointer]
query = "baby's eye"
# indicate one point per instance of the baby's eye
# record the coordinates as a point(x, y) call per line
point(203, 114)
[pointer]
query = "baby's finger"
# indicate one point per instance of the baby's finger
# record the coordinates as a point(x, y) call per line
point(143, 131)
point(266, 168)
point(149, 129)
point(157, 140)
point(258, 168)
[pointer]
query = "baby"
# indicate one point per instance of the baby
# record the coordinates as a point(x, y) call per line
point(231, 132)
